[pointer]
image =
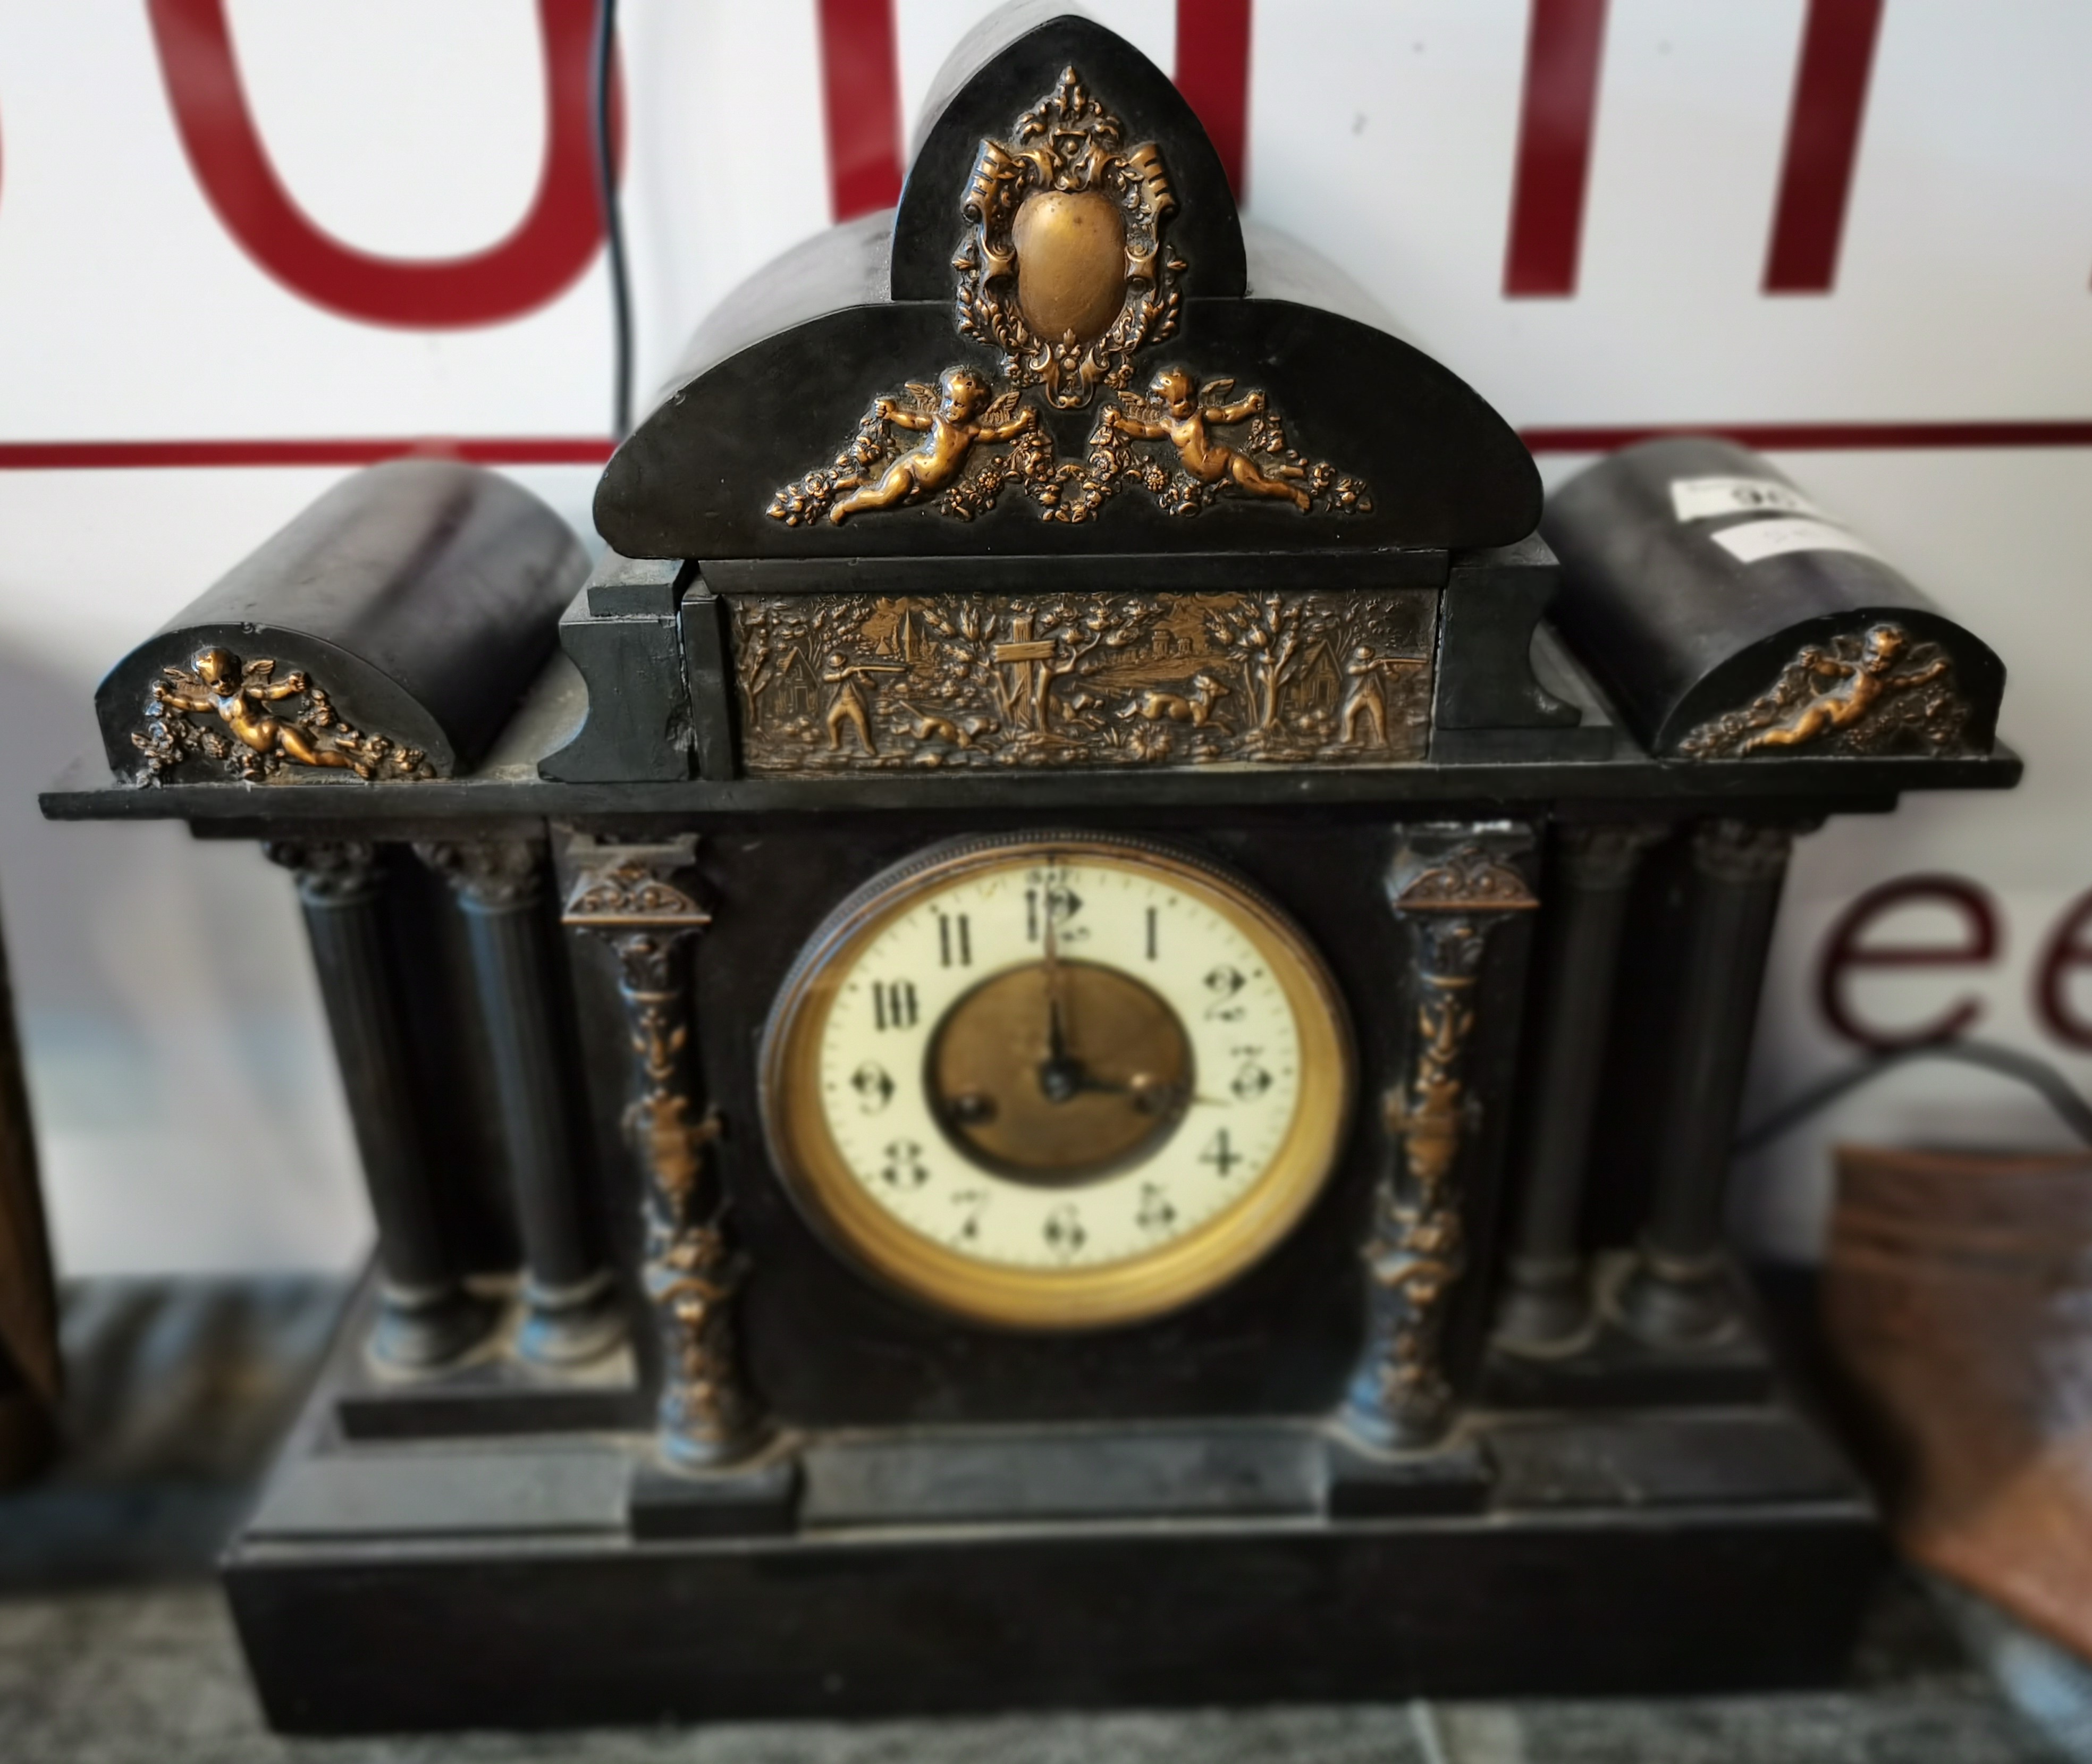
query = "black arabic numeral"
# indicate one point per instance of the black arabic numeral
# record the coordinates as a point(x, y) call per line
point(873, 1089)
point(1219, 1153)
point(903, 1167)
point(1064, 1235)
point(1052, 899)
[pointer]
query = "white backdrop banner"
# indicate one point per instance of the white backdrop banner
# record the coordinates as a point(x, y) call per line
point(247, 244)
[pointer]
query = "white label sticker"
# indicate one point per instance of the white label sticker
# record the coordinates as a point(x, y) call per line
point(1751, 542)
point(1702, 499)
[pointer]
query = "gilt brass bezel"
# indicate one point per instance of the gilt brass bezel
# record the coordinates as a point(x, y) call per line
point(1137, 1288)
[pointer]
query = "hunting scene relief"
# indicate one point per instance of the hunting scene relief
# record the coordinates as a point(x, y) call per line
point(854, 682)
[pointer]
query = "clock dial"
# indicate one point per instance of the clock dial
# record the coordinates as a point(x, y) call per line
point(1057, 1083)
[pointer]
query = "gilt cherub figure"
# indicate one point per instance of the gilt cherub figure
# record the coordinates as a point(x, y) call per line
point(956, 414)
point(1184, 413)
point(239, 694)
point(1866, 682)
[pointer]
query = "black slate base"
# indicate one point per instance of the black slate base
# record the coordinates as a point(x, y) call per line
point(556, 1580)
point(112, 1650)
point(551, 1631)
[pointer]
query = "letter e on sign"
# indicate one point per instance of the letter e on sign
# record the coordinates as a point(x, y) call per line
point(1844, 950)
point(2067, 949)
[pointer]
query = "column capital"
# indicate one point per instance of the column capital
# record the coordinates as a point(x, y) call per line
point(493, 874)
point(1740, 851)
point(329, 872)
point(1469, 877)
point(619, 887)
point(1604, 855)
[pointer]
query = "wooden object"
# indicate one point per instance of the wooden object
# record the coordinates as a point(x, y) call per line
point(1957, 1297)
point(30, 1375)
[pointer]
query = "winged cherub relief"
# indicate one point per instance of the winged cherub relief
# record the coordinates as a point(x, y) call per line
point(1179, 411)
point(1877, 692)
point(976, 446)
point(1182, 420)
point(872, 472)
point(251, 740)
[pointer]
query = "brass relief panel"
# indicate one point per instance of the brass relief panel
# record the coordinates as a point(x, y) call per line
point(978, 442)
point(859, 682)
point(1065, 271)
point(1878, 692)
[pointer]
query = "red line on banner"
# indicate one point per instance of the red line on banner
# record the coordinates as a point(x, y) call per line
point(593, 450)
point(1822, 437)
point(1212, 72)
point(555, 241)
point(1565, 43)
point(495, 450)
point(861, 97)
point(1837, 62)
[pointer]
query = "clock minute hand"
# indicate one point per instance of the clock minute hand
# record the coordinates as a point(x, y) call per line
point(1056, 1022)
point(1060, 1076)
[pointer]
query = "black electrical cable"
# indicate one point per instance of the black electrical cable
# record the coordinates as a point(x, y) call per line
point(2054, 1088)
point(613, 224)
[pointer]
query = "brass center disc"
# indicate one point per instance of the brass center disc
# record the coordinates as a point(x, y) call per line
point(1119, 1088)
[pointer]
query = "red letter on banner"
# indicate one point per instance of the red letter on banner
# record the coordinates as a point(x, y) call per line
point(1565, 44)
point(2067, 950)
point(1843, 949)
point(1212, 72)
point(536, 262)
point(1822, 142)
point(861, 91)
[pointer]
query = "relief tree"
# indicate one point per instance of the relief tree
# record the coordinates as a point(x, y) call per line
point(1263, 636)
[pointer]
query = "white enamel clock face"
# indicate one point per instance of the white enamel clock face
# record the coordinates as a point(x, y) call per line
point(1058, 1084)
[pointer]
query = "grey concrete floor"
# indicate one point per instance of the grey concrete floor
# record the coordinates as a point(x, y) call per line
point(115, 1647)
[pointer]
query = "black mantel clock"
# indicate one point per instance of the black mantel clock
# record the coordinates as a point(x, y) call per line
point(1079, 1048)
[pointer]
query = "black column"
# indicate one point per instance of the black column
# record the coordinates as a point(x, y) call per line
point(1546, 1304)
point(638, 899)
point(426, 1318)
point(1452, 887)
point(571, 1313)
point(1680, 1293)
